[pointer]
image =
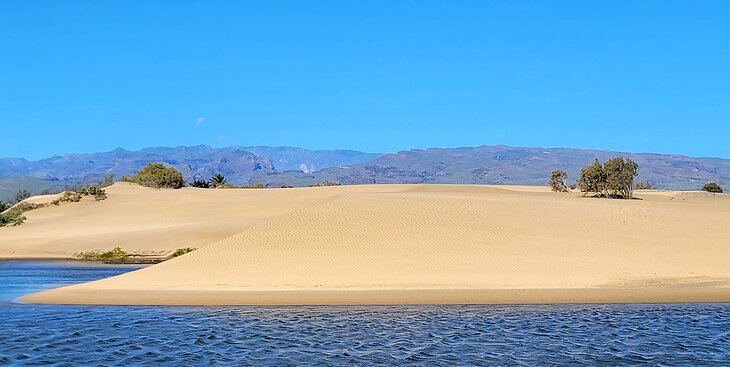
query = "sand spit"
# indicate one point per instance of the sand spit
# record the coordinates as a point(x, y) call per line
point(385, 244)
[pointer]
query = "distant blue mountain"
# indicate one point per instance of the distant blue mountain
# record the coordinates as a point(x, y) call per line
point(277, 166)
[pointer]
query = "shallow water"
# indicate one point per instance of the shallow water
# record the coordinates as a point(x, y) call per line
point(542, 335)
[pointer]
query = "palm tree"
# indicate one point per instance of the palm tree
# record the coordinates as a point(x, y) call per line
point(218, 180)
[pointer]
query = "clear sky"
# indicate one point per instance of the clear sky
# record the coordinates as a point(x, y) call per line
point(379, 76)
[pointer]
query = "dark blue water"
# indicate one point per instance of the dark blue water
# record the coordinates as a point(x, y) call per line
point(545, 335)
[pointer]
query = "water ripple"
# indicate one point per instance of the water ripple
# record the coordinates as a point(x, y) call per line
point(547, 335)
point(527, 335)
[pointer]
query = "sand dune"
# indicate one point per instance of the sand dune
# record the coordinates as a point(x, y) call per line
point(145, 220)
point(422, 244)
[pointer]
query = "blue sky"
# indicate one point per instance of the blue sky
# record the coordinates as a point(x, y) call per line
point(380, 76)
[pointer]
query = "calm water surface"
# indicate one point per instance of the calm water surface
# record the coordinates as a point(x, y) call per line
point(546, 335)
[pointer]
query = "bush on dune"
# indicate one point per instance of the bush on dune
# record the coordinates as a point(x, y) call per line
point(75, 196)
point(201, 184)
point(159, 176)
point(116, 254)
point(712, 187)
point(182, 251)
point(614, 179)
point(98, 193)
point(14, 216)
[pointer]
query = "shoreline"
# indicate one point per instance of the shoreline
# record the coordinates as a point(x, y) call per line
point(679, 294)
point(141, 260)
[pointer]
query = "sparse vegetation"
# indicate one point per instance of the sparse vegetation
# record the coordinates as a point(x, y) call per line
point(182, 251)
point(158, 175)
point(98, 193)
point(325, 183)
point(287, 186)
point(14, 216)
point(116, 254)
point(75, 196)
point(201, 184)
point(218, 180)
point(557, 181)
point(67, 197)
point(712, 187)
point(614, 179)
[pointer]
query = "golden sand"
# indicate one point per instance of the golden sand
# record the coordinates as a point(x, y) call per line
point(392, 244)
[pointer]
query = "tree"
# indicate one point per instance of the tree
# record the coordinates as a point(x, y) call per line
point(712, 187)
point(21, 195)
point(592, 178)
point(614, 179)
point(557, 181)
point(218, 180)
point(620, 175)
point(159, 176)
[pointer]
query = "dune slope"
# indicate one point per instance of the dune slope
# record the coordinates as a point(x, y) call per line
point(146, 221)
point(443, 244)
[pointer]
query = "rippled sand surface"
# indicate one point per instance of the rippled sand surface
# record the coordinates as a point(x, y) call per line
point(408, 244)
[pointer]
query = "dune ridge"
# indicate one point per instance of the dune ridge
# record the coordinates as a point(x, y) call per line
point(442, 244)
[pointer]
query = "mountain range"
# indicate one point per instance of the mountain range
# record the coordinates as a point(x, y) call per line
point(291, 166)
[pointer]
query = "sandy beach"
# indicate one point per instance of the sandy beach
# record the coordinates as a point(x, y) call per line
point(389, 244)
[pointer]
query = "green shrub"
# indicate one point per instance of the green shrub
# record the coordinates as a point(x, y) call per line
point(69, 197)
point(98, 193)
point(592, 178)
point(712, 187)
point(158, 175)
point(182, 251)
point(287, 186)
point(201, 184)
point(116, 254)
point(88, 255)
point(14, 216)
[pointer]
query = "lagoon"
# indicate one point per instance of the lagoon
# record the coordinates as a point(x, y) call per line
point(489, 335)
